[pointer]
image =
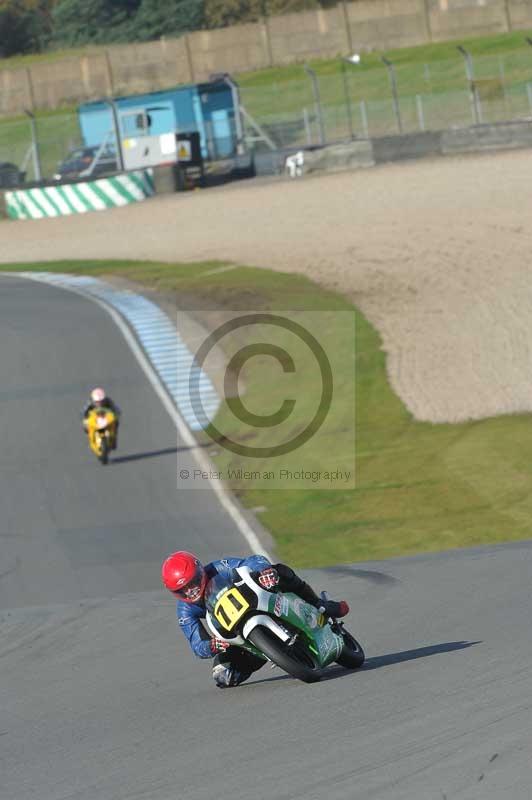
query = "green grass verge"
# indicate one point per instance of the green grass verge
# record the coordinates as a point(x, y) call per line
point(420, 487)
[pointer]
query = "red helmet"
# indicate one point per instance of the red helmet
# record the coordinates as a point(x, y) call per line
point(183, 575)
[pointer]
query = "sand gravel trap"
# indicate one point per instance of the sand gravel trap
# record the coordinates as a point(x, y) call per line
point(436, 253)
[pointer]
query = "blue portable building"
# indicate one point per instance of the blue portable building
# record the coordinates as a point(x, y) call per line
point(206, 108)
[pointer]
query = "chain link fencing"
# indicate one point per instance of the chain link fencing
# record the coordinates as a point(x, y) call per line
point(36, 145)
point(363, 101)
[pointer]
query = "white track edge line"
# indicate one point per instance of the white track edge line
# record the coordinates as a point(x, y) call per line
point(203, 462)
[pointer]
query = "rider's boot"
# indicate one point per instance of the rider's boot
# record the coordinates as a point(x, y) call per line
point(225, 674)
point(330, 608)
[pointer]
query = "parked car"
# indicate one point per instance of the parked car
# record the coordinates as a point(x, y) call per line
point(78, 163)
point(10, 175)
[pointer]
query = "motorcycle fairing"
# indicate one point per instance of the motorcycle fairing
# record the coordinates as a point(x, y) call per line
point(231, 603)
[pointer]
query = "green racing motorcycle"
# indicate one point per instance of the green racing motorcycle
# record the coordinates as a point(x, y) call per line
point(279, 627)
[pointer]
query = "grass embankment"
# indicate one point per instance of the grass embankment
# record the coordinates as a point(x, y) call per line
point(420, 487)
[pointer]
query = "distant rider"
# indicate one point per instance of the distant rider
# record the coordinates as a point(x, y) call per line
point(186, 577)
point(100, 399)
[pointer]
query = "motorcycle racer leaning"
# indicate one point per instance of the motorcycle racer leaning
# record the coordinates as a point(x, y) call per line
point(186, 578)
point(100, 399)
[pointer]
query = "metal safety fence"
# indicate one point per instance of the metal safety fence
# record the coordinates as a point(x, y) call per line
point(36, 145)
point(363, 100)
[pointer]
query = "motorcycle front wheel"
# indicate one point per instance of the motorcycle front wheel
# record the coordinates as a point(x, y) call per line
point(104, 450)
point(297, 662)
point(352, 655)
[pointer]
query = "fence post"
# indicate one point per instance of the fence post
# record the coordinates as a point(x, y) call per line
point(85, 75)
point(308, 131)
point(347, 101)
point(529, 94)
point(235, 94)
point(109, 71)
point(426, 17)
point(34, 146)
point(393, 85)
point(31, 93)
point(348, 36)
point(502, 73)
point(190, 63)
point(364, 117)
point(420, 112)
point(118, 139)
point(473, 94)
point(507, 16)
point(267, 38)
point(317, 101)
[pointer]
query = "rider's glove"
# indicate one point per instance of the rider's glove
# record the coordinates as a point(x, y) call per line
point(268, 578)
point(218, 645)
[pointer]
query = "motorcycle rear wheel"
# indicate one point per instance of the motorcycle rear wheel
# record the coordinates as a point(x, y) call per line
point(297, 663)
point(352, 655)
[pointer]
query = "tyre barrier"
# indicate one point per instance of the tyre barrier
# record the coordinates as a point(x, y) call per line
point(79, 198)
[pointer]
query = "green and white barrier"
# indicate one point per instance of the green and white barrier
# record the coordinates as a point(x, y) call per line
point(78, 198)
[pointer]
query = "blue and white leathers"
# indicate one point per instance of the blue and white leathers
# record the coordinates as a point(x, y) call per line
point(190, 614)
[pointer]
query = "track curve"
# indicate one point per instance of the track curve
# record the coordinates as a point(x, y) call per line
point(100, 700)
point(56, 497)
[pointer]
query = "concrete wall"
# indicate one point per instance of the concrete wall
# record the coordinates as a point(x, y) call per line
point(298, 37)
point(228, 50)
point(137, 68)
point(492, 16)
point(386, 24)
point(520, 14)
point(503, 136)
point(477, 139)
point(338, 157)
point(362, 25)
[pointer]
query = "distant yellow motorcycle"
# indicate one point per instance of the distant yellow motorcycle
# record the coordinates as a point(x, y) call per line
point(101, 430)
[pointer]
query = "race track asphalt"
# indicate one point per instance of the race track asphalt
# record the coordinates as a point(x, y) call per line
point(100, 700)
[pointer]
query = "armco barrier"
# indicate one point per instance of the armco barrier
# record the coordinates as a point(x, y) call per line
point(78, 198)
point(120, 190)
point(367, 153)
point(500, 136)
point(350, 155)
point(412, 145)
